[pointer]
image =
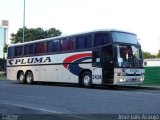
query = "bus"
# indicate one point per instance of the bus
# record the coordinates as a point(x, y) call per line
point(99, 57)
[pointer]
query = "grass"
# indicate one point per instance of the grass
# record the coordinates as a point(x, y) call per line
point(150, 84)
point(2, 77)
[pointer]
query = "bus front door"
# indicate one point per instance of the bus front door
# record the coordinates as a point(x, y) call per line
point(97, 67)
point(107, 65)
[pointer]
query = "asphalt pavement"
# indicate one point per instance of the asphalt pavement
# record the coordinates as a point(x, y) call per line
point(68, 101)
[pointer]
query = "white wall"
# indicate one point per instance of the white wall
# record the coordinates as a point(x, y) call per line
point(151, 62)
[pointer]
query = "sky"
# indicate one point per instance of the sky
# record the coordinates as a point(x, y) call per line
point(73, 16)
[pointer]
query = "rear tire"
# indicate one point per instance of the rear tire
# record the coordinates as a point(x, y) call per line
point(29, 78)
point(21, 78)
point(86, 80)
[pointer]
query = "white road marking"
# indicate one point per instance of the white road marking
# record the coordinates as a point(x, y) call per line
point(147, 93)
point(45, 110)
point(34, 108)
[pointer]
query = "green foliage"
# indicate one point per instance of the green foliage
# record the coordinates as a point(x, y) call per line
point(34, 34)
point(5, 48)
point(158, 54)
point(148, 55)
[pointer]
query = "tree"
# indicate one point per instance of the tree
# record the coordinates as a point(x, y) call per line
point(148, 55)
point(158, 54)
point(5, 48)
point(34, 34)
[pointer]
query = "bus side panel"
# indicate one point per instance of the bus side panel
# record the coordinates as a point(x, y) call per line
point(56, 68)
point(54, 73)
point(35, 70)
point(11, 73)
point(64, 75)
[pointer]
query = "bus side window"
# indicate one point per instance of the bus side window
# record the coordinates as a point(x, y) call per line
point(70, 43)
point(18, 51)
point(56, 46)
point(67, 44)
point(79, 42)
point(64, 44)
point(101, 39)
point(97, 59)
point(40, 47)
point(88, 41)
point(53, 46)
point(10, 52)
point(50, 46)
point(83, 42)
point(28, 49)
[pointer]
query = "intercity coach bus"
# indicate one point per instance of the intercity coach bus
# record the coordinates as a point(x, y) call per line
point(100, 57)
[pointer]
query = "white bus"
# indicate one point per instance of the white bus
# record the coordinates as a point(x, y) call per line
point(103, 57)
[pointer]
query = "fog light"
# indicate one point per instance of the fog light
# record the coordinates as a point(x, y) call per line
point(122, 80)
point(141, 79)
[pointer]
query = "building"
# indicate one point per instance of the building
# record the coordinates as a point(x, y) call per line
point(155, 62)
point(1, 41)
point(152, 71)
point(3, 36)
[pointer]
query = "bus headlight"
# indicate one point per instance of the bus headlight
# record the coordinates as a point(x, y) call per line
point(122, 80)
point(141, 79)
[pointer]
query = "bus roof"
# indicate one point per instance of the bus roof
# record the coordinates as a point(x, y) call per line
point(76, 34)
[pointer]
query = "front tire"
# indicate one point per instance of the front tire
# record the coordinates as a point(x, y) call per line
point(29, 78)
point(87, 80)
point(21, 78)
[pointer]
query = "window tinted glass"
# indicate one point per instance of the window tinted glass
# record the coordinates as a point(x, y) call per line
point(80, 42)
point(19, 51)
point(49, 46)
point(56, 46)
point(40, 47)
point(53, 46)
point(28, 49)
point(97, 58)
point(70, 44)
point(10, 52)
point(67, 44)
point(84, 42)
point(64, 45)
point(88, 41)
point(124, 37)
point(101, 39)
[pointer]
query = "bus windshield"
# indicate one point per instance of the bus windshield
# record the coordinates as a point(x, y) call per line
point(128, 56)
point(124, 37)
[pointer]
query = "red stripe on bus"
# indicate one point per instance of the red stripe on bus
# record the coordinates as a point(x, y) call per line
point(75, 57)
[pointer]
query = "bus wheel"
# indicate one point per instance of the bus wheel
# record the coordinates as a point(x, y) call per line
point(29, 78)
point(87, 79)
point(21, 78)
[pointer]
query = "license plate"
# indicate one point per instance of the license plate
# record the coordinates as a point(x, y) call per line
point(133, 80)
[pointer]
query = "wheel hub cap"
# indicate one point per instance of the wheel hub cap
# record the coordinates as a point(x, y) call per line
point(86, 80)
